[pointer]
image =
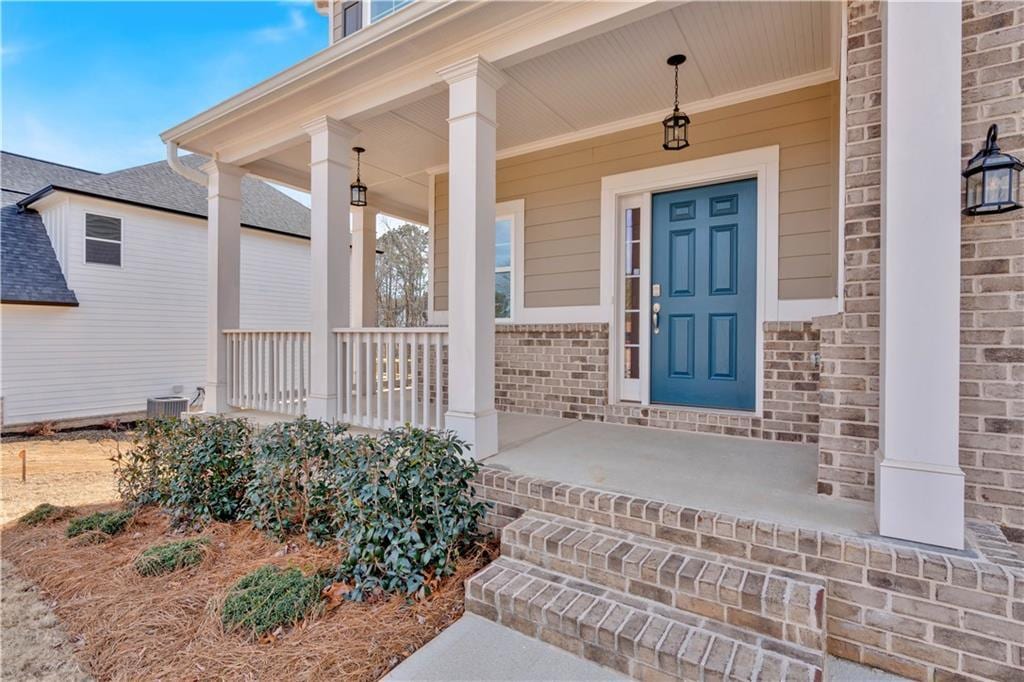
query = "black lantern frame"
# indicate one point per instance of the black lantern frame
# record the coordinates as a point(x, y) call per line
point(993, 179)
point(676, 124)
point(357, 190)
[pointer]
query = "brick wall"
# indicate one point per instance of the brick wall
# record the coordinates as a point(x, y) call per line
point(850, 340)
point(992, 277)
point(553, 370)
point(561, 370)
point(923, 615)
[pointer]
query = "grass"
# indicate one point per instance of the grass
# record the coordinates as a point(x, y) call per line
point(44, 513)
point(268, 598)
point(171, 556)
point(107, 523)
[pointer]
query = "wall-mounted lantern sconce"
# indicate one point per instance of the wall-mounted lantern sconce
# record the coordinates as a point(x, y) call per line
point(993, 179)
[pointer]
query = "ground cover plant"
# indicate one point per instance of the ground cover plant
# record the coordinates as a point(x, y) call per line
point(104, 523)
point(45, 513)
point(399, 505)
point(270, 598)
point(171, 556)
point(132, 627)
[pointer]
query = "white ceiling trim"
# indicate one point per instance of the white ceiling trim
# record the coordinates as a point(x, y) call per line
point(766, 90)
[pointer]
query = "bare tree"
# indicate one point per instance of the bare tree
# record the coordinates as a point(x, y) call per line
point(402, 276)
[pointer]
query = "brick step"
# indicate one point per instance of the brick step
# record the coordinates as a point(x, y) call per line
point(637, 637)
point(770, 601)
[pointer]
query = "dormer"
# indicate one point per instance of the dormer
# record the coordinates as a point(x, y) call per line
point(348, 16)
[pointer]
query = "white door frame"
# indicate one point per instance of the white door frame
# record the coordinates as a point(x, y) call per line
point(616, 190)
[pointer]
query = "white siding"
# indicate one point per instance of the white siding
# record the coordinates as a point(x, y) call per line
point(139, 329)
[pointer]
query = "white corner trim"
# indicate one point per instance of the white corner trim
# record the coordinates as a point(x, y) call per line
point(763, 165)
point(431, 280)
point(767, 90)
point(806, 309)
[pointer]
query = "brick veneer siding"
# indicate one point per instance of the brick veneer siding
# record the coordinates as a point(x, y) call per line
point(561, 370)
point(992, 277)
point(850, 340)
point(920, 614)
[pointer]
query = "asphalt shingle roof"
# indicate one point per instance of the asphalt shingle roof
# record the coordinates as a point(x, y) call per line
point(31, 272)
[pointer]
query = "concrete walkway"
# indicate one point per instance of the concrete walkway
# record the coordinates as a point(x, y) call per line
point(477, 649)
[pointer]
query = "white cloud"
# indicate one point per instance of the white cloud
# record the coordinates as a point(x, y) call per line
point(295, 25)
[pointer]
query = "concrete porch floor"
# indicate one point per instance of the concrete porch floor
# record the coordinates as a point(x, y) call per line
point(744, 477)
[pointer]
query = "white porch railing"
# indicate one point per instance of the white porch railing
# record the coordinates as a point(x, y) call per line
point(268, 370)
point(392, 376)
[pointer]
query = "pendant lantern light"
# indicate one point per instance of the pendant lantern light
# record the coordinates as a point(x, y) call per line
point(358, 189)
point(677, 123)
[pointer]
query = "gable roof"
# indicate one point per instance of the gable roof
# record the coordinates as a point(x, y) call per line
point(31, 272)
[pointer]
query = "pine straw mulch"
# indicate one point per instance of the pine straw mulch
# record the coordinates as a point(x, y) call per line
point(168, 627)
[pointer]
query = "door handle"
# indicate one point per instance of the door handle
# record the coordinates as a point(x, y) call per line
point(655, 309)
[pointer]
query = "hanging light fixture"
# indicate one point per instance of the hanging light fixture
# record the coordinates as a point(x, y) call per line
point(677, 123)
point(993, 179)
point(358, 189)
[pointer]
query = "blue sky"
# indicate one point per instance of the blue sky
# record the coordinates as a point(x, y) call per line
point(92, 84)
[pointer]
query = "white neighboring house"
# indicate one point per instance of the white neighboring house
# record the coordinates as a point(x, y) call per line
point(105, 278)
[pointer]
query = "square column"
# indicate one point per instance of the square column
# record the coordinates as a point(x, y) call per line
point(330, 172)
point(223, 252)
point(920, 487)
point(472, 102)
point(364, 267)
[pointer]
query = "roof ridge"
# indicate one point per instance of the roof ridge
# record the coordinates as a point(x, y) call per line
point(51, 163)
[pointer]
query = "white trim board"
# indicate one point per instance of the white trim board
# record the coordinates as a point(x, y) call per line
point(767, 90)
point(761, 164)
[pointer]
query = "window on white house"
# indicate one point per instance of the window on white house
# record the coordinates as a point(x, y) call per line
point(503, 233)
point(102, 239)
point(382, 8)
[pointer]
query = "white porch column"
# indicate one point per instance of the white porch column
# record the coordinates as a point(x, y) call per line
point(329, 166)
point(920, 487)
point(223, 252)
point(472, 103)
point(364, 267)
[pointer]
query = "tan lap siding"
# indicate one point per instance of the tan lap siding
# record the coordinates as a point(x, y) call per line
point(562, 190)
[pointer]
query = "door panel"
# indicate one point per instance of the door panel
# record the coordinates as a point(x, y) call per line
point(704, 259)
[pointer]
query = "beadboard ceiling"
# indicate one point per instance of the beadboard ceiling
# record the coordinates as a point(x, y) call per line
point(614, 76)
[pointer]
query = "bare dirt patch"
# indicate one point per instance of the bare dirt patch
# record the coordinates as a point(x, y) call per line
point(68, 470)
point(168, 627)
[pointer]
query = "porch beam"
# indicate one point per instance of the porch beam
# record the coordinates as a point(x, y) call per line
point(472, 100)
point(364, 267)
point(330, 173)
point(223, 235)
point(920, 487)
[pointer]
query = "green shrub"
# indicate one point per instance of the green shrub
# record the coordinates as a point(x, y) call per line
point(106, 523)
point(196, 468)
point(291, 487)
point(407, 513)
point(171, 556)
point(270, 597)
point(44, 513)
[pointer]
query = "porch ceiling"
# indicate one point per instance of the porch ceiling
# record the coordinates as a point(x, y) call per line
point(736, 51)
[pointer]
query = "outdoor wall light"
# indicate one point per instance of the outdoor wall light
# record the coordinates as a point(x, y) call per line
point(677, 123)
point(357, 188)
point(993, 179)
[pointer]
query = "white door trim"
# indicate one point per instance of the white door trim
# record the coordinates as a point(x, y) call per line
point(761, 163)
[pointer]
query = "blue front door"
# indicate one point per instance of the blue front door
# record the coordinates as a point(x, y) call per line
point(704, 288)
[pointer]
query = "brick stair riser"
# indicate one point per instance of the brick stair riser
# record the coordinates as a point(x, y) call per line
point(773, 605)
point(637, 643)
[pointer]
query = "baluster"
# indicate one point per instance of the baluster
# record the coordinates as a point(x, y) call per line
point(390, 350)
point(347, 340)
point(401, 377)
point(414, 379)
point(370, 380)
point(426, 380)
point(439, 386)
